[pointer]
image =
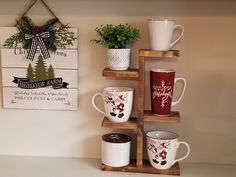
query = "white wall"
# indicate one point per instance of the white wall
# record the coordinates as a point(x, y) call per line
point(207, 61)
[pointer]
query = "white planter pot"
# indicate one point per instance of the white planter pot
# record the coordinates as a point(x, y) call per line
point(118, 59)
point(116, 149)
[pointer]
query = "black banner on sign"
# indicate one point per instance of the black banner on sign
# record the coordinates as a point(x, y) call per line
point(56, 83)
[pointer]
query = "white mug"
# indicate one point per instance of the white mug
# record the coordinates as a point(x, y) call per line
point(161, 32)
point(118, 102)
point(162, 147)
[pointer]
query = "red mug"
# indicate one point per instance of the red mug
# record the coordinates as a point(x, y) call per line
point(162, 85)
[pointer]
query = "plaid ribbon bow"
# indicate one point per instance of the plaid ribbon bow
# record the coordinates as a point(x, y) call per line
point(37, 40)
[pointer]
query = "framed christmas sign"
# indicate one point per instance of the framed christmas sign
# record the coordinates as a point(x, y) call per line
point(39, 66)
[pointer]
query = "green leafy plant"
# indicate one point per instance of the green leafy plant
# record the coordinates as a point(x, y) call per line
point(116, 36)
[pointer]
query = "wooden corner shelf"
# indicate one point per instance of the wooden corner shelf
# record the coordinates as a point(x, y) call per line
point(140, 165)
point(130, 73)
point(155, 53)
point(130, 124)
point(174, 117)
point(145, 168)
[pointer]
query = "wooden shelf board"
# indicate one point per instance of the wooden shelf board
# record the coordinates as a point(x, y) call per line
point(155, 53)
point(150, 117)
point(130, 124)
point(146, 168)
point(129, 73)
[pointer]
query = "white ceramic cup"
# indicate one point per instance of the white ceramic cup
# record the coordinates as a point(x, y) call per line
point(118, 103)
point(162, 147)
point(161, 32)
point(116, 149)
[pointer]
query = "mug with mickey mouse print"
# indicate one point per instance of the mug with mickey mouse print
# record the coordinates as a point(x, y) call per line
point(162, 147)
point(118, 103)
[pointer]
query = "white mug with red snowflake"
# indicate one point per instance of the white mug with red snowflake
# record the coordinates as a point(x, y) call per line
point(162, 147)
point(118, 103)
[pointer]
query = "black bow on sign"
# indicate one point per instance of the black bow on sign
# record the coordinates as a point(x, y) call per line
point(37, 40)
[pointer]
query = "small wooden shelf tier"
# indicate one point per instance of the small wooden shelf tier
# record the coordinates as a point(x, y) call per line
point(130, 73)
point(150, 117)
point(158, 54)
point(130, 124)
point(146, 168)
point(140, 165)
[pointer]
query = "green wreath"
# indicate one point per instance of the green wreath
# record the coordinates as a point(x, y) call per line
point(59, 37)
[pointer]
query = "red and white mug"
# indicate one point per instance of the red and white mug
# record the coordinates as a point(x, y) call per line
point(162, 85)
point(162, 147)
point(118, 103)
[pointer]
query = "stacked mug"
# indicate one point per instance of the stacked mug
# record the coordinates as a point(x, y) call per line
point(162, 86)
point(162, 148)
point(162, 145)
point(118, 103)
point(161, 33)
point(162, 80)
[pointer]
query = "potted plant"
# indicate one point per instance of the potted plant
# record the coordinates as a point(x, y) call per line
point(117, 39)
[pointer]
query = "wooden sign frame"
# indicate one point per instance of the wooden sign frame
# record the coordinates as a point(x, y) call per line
point(57, 92)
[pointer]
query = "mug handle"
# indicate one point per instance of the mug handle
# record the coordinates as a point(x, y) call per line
point(94, 105)
point(181, 28)
point(182, 94)
point(188, 151)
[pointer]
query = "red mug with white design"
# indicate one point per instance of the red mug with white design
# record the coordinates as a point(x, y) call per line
point(118, 103)
point(162, 148)
point(162, 85)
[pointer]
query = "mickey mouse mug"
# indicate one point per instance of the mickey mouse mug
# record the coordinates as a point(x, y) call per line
point(118, 102)
point(162, 147)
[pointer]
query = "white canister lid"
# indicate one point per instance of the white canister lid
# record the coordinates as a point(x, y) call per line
point(116, 138)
